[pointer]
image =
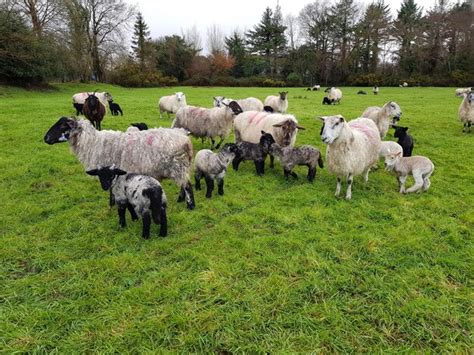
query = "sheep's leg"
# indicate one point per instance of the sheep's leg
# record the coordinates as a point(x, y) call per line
point(286, 173)
point(212, 143)
point(349, 187)
point(272, 160)
point(426, 183)
point(163, 223)
point(418, 183)
point(401, 183)
point(259, 167)
point(366, 175)
point(209, 185)
point(182, 194)
point(338, 187)
point(111, 199)
point(311, 173)
point(189, 196)
point(197, 180)
point(294, 174)
point(146, 225)
point(236, 162)
point(161, 114)
point(121, 213)
point(219, 144)
point(132, 211)
point(220, 186)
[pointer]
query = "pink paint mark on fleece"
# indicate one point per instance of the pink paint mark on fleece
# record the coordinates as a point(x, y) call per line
point(130, 139)
point(257, 117)
point(149, 139)
point(369, 132)
point(197, 112)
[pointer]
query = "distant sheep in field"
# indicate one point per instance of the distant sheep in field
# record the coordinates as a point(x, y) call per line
point(79, 109)
point(361, 92)
point(248, 104)
point(316, 87)
point(405, 140)
point(326, 101)
point(420, 167)
point(278, 103)
point(115, 108)
point(375, 90)
point(466, 111)
point(171, 103)
point(213, 166)
point(352, 148)
point(142, 195)
point(208, 122)
point(159, 152)
point(334, 95)
point(383, 116)
point(94, 110)
point(291, 156)
point(80, 98)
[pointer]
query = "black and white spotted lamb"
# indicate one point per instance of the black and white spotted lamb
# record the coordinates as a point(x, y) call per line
point(257, 152)
point(142, 195)
point(213, 166)
point(290, 157)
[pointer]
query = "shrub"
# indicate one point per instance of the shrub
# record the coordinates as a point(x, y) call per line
point(293, 79)
point(130, 75)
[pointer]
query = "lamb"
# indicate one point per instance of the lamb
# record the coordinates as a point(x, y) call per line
point(461, 91)
point(290, 157)
point(248, 104)
point(278, 103)
point(466, 111)
point(213, 166)
point(79, 108)
point(171, 103)
point(353, 148)
point(207, 123)
point(283, 128)
point(316, 87)
point(115, 108)
point(361, 92)
point(142, 195)
point(94, 110)
point(420, 167)
point(387, 147)
point(383, 116)
point(257, 152)
point(404, 140)
point(79, 98)
point(159, 152)
point(334, 95)
point(375, 90)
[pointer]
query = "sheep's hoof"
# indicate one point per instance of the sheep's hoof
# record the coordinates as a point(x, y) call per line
point(191, 206)
point(348, 197)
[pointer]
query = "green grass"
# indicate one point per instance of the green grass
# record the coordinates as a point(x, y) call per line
point(272, 266)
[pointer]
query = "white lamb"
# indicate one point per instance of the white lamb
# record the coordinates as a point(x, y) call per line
point(277, 103)
point(171, 103)
point(353, 148)
point(420, 167)
point(466, 111)
point(248, 104)
point(383, 116)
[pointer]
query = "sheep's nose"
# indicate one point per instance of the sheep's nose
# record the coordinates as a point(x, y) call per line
point(47, 139)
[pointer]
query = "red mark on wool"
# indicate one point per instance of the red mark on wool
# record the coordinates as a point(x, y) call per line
point(369, 132)
point(149, 139)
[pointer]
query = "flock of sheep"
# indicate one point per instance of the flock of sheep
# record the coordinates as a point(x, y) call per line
point(130, 164)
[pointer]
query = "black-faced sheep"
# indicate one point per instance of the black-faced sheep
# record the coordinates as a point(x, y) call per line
point(140, 125)
point(158, 152)
point(257, 152)
point(81, 97)
point(94, 110)
point(404, 139)
point(420, 167)
point(142, 195)
point(213, 166)
point(115, 108)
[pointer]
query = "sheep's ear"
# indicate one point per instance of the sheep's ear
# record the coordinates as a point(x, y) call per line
point(299, 127)
point(398, 154)
point(322, 118)
point(341, 118)
point(214, 98)
point(277, 125)
point(93, 172)
point(118, 171)
point(404, 128)
point(263, 132)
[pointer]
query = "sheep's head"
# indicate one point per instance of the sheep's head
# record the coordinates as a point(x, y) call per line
point(179, 96)
point(108, 97)
point(391, 160)
point(60, 131)
point(218, 101)
point(233, 106)
point(326, 101)
point(288, 128)
point(107, 175)
point(470, 97)
point(394, 110)
point(332, 128)
point(230, 148)
point(92, 101)
point(400, 131)
point(283, 95)
point(266, 140)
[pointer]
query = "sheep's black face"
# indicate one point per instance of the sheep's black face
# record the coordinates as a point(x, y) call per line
point(283, 95)
point(106, 175)
point(266, 140)
point(92, 102)
point(400, 132)
point(60, 131)
point(288, 128)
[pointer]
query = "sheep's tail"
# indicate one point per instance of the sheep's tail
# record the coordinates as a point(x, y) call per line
point(320, 161)
point(155, 196)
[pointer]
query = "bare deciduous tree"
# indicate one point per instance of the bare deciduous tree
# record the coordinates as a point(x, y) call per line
point(193, 38)
point(215, 40)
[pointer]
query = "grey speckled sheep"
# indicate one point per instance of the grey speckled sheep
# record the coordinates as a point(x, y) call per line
point(142, 195)
point(213, 166)
point(257, 152)
point(158, 152)
point(290, 157)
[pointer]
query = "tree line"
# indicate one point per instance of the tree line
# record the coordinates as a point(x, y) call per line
point(329, 43)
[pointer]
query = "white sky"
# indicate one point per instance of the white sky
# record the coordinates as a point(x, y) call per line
point(166, 17)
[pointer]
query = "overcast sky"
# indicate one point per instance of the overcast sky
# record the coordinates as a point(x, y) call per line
point(166, 17)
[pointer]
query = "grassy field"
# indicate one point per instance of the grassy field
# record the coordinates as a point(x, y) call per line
point(272, 266)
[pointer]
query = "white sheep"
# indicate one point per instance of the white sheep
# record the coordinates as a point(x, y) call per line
point(171, 103)
point(375, 90)
point(277, 103)
point(420, 167)
point(466, 111)
point(384, 116)
point(207, 122)
point(79, 99)
point(461, 91)
point(316, 87)
point(352, 148)
point(248, 104)
point(158, 152)
point(334, 95)
point(389, 147)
